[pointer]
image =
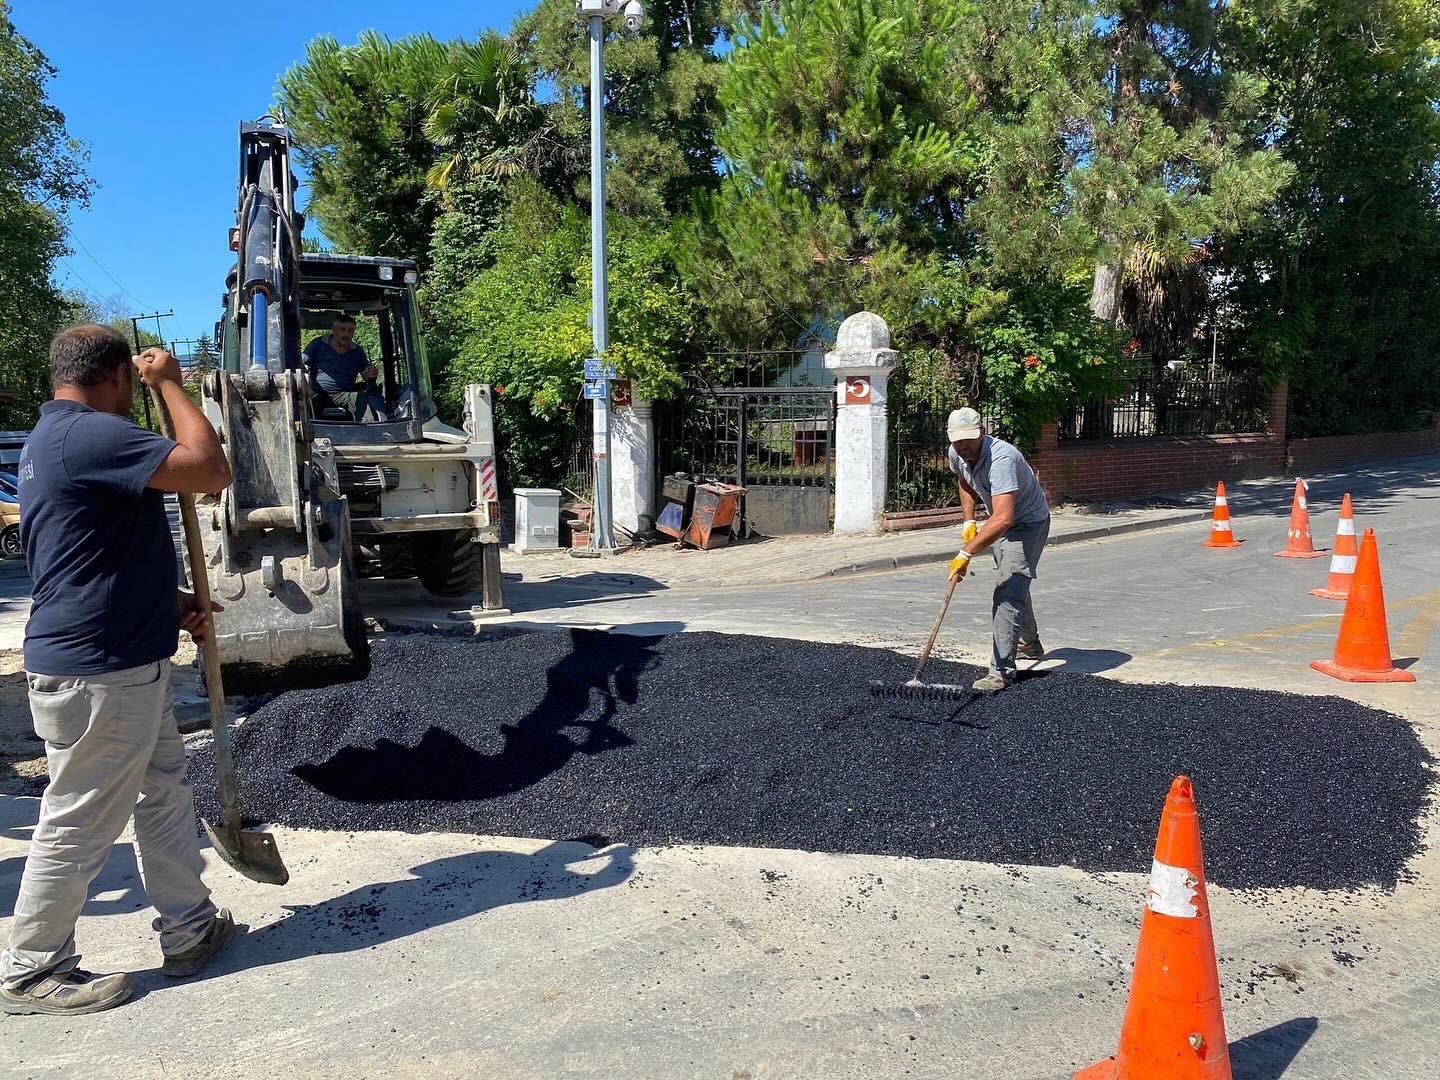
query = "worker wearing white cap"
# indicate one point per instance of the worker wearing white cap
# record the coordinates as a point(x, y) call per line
point(993, 471)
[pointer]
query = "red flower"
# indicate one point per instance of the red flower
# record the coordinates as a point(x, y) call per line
point(1032, 360)
point(499, 391)
point(1132, 347)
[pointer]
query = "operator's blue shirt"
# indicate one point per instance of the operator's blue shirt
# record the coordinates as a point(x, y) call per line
point(335, 372)
point(98, 544)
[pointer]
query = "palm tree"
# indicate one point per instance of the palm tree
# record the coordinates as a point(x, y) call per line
point(481, 111)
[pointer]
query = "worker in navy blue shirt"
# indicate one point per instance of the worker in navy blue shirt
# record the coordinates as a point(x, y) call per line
point(103, 626)
point(334, 362)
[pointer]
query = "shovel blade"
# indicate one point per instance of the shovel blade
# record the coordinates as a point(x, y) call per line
point(253, 854)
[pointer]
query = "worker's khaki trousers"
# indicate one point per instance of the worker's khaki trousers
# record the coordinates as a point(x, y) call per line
point(1017, 554)
point(113, 751)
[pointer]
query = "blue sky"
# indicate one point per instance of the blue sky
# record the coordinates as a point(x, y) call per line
point(157, 90)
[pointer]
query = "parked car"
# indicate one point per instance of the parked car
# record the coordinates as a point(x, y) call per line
point(11, 546)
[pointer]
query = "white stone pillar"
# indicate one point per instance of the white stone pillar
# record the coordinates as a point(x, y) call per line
point(632, 466)
point(862, 362)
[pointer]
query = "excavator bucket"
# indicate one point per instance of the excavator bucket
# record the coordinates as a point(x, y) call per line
point(278, 548)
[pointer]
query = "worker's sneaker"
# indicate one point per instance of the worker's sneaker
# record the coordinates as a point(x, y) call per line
point(990, 683)
point(69, 994)
point(1030, 650)
point(182, 965)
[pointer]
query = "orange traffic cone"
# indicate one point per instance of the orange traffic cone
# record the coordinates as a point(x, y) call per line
point(1174, 1029)
point(1220, 534)
point(1342, 562)
point(1299, 545)
point(1362, 652)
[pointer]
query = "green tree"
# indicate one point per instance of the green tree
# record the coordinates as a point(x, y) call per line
point(479, 114)
point(660, 101)
point(1337, 288)
point(358, 116)
point(42, 177)
point(849, 162)
point(860, 141)
point(1161, 158)
point(527, 327)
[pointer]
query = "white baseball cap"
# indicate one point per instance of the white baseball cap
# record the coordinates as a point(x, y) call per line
point(963, 424)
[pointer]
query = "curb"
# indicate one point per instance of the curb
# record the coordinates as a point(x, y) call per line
point(1093, 532)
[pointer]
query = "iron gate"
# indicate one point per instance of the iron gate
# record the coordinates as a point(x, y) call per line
point(777, 442)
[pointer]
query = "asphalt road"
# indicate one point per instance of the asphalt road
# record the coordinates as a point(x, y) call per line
point(1155, 605)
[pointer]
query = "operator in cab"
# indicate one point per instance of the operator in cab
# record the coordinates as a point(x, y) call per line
point(333, 363)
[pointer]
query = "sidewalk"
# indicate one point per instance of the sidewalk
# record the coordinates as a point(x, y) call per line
point(784, 559)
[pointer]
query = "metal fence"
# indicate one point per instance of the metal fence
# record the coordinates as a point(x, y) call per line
point(1155, 400)
point(775, 436)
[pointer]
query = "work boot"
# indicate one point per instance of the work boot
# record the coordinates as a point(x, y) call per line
point(184, 964)
point(989, 684)
point(1030, 650)
point(70, 993)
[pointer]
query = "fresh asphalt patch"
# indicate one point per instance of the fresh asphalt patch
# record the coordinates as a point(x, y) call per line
point(719, 739)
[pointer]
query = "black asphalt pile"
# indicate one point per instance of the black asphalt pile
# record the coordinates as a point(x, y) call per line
point(719, 739)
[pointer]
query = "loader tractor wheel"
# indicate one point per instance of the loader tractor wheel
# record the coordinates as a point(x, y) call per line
point(448, 563)
point(397, 558)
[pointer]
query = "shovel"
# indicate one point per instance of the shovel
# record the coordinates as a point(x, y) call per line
point(253, 854)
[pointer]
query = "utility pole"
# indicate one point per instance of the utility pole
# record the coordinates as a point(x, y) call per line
point(135, 329)
point(597, 373)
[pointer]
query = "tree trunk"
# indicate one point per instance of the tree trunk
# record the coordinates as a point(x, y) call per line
point(1105, 294)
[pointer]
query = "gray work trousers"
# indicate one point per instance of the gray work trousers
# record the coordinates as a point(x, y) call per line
point(113, 750)
point(1017, 554)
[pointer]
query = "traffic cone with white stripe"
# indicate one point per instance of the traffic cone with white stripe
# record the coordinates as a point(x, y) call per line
point(1342, 562)
point(1299, 545)
point(1362, 651)
point(1174, 1028)
point(1220, 534)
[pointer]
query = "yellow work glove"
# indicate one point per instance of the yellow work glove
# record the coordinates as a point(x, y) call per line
point(961, 562)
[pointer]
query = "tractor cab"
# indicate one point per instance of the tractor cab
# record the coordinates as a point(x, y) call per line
point(378, 294)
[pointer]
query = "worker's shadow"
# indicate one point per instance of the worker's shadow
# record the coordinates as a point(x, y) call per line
point(575, 716)
point(440, 892)
point(116, 891)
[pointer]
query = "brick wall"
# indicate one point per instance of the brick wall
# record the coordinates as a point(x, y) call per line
point(1099, 470)
point(1096, 470)
point(1338, 451)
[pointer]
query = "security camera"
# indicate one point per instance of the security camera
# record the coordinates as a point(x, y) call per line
point(634, 14)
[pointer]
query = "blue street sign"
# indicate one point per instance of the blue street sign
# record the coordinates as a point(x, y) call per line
point(594, 391)
point(593, 369)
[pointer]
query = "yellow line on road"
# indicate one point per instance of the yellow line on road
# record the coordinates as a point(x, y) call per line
point(1410, 643)
point(1416, 635)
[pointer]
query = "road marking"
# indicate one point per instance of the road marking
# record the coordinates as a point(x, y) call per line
point(1411, 640)
point(1416, 635)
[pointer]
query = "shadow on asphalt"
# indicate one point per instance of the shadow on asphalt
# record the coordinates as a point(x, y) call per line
point(444, 768)
point(1267, 1054)
point(439, 892)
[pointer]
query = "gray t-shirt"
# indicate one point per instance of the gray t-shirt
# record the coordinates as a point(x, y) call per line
point(1001, 470)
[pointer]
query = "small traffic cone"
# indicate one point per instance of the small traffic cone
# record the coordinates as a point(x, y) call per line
point(1220, 534)
point(1342, 562)
point(1362, 652)
point(1174, 1028)
point(1299, 545)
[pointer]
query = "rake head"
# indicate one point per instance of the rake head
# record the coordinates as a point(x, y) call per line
point(914, 690)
